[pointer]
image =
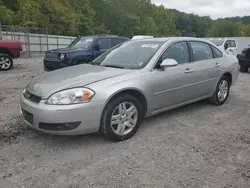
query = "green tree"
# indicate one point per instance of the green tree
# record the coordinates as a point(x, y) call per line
point(6, 15)
point(224, 28)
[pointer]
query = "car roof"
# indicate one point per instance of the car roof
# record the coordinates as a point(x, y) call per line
point(110, 36)
point(105, 35)
point(164, 39)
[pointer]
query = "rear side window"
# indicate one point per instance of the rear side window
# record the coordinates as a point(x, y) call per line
point(104, 43)
point(177, 51)
point(115, 41)
point(232, 43)
point(201, 51)
point(217, 53)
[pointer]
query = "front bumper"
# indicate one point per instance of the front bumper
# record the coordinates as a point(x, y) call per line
point(53, 65)
point(243, 61)
point(84, 118)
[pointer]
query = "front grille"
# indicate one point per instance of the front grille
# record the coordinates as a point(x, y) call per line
point(31, 97)
point(27, 116)
point(51, 55)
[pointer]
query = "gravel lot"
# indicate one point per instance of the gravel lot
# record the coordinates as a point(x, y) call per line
point(199, 145)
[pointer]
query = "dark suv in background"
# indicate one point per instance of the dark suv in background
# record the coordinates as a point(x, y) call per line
point(81, 50)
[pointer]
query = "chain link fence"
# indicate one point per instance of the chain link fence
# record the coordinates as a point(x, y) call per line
point(34, 41)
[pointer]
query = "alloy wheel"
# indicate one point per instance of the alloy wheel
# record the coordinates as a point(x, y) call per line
point(5, 63)
point(124, 118)
point(223, 90)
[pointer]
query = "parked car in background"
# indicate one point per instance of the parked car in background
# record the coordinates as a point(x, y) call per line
point(9, 49)
point(227, 45)
point(142, 37)
point(81, 50)
point(244, 60)
point(133, 80)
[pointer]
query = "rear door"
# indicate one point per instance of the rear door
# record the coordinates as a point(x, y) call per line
point(206, 69)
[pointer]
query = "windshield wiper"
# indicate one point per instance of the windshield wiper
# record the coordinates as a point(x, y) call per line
point(114, 66)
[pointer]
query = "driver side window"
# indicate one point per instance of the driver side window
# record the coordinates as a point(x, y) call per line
point(177, 51)
point(227, 44)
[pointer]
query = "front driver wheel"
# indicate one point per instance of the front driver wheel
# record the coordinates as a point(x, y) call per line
point(6, 62)
point(222, 91)
point(121, 118)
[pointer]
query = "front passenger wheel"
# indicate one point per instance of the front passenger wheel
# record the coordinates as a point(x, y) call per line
point(222, 91)
point(121, 117)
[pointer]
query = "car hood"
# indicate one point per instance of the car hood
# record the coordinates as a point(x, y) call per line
point(68, 49)
point(75, 76)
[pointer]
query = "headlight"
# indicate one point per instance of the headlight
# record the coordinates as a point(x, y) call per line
point(71, 96)
point(62, 56)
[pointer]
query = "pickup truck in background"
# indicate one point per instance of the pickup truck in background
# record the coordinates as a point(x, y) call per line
point(9, 49)
point(229, 46)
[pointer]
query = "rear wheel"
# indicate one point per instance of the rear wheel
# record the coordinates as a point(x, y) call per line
point(121, 118)
point(243, 68)
point(6, 62)
point(222, 91)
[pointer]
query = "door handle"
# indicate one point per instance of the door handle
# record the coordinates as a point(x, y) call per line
point(217, 65)
point(189, 70)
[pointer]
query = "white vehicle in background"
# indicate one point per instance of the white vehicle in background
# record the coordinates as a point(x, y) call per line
point(142, 37)
point(227, 45)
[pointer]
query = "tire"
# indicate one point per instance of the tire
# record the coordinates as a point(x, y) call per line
point(7, 62)
point(115, 107)
point(243, 69)
point(219, 100)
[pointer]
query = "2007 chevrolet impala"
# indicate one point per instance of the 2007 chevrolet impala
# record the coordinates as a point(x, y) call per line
point(133, 80)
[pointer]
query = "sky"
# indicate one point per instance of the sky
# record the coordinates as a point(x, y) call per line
point(213, 8)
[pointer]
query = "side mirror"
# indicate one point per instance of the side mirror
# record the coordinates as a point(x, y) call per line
point(97, 47)
point(168, 63)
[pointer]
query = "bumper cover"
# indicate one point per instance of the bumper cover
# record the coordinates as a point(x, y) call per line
point(50, 65)
point(243, 61)
point(36, 115)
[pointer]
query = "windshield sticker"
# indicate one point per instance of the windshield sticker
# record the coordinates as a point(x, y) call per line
point(140, 63)
point(150, 46)
point(89, 40)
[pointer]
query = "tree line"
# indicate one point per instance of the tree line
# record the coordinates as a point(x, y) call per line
point(120, 17)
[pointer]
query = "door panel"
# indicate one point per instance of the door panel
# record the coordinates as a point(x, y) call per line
point(206, 69)
point(171, 86)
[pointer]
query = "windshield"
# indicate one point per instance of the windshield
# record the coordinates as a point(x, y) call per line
point(217, 42)
point(129, 55)
point(82, 42)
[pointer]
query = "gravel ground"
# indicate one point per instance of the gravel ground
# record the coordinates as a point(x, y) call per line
point(199, 145)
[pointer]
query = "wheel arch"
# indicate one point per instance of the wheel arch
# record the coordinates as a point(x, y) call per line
point(138, 94)
point(229, 75)
point(6, 51)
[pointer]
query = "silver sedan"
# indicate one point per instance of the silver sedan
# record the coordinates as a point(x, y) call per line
point(131, 81)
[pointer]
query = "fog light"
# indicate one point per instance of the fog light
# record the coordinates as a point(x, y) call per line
point(59, 126)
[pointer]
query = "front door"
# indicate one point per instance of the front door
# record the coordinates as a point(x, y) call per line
point(232, 47)
point(173, 85)
point(104, 44)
